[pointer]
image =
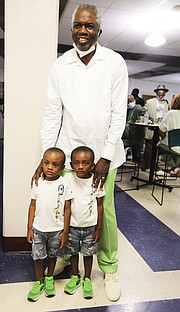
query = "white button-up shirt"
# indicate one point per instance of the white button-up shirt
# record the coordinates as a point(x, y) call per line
point(86, 105)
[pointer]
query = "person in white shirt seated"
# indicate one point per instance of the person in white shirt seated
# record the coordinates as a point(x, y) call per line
point(171, 121)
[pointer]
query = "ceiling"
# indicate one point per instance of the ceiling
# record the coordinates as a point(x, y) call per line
point(125, 25)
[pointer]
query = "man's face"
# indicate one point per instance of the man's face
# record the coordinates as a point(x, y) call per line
point(85, 29)
point(160, 94)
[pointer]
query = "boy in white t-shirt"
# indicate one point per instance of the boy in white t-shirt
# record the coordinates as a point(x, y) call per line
point(86, 219)
point(48, 220)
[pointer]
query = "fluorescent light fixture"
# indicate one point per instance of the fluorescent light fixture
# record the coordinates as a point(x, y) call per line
point(155, 40)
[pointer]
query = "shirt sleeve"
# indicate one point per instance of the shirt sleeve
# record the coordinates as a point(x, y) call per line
point(163, 126)
point(68, 192)
point(33, 191)
point(52, 112)
point(118, 108)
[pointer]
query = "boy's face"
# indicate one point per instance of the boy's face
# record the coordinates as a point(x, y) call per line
point(82, 164)
point(53, 163)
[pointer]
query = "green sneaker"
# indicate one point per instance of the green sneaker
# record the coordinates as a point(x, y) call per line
point(34, 293)
point(72, 285)
point(49, 287)
point(87, 288)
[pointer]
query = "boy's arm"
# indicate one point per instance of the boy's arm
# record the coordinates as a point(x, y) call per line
point(31, 214)
point(99, 220)
point(67, 216)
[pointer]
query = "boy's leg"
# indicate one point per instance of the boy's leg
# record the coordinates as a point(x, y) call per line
point(51, 266)
point(88, 261)
point(38, 264)
point(108, 243)
point(74, 260)
point(87, 284)
point(38, 249)
point(75, 280)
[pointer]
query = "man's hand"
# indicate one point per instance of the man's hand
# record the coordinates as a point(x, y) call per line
point(37, 174)
point(100, 172)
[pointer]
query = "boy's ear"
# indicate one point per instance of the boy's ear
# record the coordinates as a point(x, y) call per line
point(71, 164)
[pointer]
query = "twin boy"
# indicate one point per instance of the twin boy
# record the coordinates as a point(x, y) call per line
point(65, 218)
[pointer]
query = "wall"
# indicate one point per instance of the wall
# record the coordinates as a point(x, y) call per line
point(31, 46)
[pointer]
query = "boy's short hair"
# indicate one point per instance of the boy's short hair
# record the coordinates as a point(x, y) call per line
point(85, 149)
point(58, 150)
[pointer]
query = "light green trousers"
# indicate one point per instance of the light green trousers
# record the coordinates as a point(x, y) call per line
point(108, 243)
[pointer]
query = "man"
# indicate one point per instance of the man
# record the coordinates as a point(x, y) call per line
point(138, 99)
point(132, 133)
point(86, 105)
point(157, 108)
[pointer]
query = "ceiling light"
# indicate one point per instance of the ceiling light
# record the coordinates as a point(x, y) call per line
point(155, 40)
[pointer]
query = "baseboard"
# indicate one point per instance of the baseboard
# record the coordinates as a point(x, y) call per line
point(12, 244)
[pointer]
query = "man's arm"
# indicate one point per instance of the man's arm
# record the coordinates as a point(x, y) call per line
point(117, 121)
point(52, 112)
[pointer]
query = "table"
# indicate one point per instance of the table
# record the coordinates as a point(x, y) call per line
point(155, 139)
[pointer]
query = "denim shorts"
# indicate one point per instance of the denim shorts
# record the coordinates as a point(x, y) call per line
point(80, 240)
point(46, 244)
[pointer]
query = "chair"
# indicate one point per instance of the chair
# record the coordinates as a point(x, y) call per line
point(173, 141)
point(126, 168)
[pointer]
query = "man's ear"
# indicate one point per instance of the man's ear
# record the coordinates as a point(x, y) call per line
point(99, 32)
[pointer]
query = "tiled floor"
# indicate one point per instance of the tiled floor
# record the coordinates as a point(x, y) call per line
point(149, 260)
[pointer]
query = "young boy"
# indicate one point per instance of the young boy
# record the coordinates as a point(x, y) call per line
point(86, 219)
point(48, 220)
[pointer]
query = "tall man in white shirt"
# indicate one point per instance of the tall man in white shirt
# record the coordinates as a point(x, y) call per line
point(86, 105)
point(157, 108)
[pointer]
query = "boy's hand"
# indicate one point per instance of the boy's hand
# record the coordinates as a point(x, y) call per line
point(30, 236)
point(96, 236)
point(63, 238)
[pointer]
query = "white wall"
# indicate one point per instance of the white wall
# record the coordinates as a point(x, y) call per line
point(147, 87)
point(31, 46)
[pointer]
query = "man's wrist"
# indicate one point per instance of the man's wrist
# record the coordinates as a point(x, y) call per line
point(106, 159)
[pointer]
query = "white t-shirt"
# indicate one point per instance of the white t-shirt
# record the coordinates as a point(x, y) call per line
point(50, 197)
point(171, 121)
point(84, 203)
point(160, 109)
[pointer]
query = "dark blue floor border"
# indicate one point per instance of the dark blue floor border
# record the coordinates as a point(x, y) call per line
point(149, 306)
point(15, 268)
point(158, 245)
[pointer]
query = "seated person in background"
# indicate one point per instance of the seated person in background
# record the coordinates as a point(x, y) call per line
point(138, 99)
point(136, 135)
point(157, 108)
point(171, 121)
